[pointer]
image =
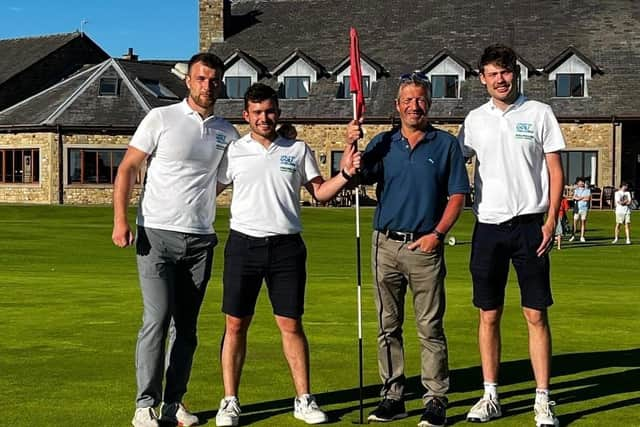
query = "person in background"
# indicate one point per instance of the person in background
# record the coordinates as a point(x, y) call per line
point(581, 197)
point(622, 200)
point(562, 223)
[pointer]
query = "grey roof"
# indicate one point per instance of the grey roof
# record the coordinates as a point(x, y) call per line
point(404, 35)
point(76, 100)
point(19, 54)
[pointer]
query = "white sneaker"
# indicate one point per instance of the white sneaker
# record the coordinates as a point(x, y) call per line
point(544, 414)
point(614, 241)
point(582, 239)
point(229, 413)
point(306, 409)
point(484, 410)
point(145, 417)
point(176, 413)
point(628, 242)
point(572, 238)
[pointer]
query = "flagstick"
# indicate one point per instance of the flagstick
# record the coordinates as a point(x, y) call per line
point(359, 273)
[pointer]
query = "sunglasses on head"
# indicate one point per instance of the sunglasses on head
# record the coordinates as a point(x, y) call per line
point(416, 75)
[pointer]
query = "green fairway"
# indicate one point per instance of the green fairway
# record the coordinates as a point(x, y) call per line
point(70, 309)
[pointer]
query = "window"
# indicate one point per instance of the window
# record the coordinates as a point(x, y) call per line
point(158, 89)
point(296, 87)
point(570, 85)
point(20, 166)
point(336, 157)
point(90, 166)
point(237, 86)
point(109, 86)
point(346, 86)
point(444, 86)
point(579, 164)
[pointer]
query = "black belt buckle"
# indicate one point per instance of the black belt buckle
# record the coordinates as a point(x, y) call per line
point(399, 236)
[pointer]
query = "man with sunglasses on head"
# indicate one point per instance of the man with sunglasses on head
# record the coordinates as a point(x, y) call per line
point(182, 145)
point(421, 186)
point(518, 179)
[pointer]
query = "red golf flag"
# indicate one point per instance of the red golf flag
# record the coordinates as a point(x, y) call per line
point(355, 83)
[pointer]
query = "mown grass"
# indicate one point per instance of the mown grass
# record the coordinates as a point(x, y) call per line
point(70, 310)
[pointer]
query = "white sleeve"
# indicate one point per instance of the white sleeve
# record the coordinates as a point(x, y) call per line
point(146, 136)
point(309, 164)
point(224, 168)
point(552, 138)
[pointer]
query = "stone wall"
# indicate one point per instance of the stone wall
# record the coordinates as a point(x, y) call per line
point(212, 15)
point(593, 137)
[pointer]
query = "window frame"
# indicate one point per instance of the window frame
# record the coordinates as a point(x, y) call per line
point(570, 92)
point(585, 168)
point(83, 153)
point(346, 86)
point(226, 86)
point(284, 85)
point(456, 88)
point(116, 83)
point(34, 154)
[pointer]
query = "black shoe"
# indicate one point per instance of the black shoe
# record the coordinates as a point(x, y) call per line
point(388, 410)
point(435, 413)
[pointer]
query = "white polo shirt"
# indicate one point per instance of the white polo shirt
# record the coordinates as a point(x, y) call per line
point(266, 184)
point(511, 175)
point(184, 153)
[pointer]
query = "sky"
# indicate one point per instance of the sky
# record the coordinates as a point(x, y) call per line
point(160, 29)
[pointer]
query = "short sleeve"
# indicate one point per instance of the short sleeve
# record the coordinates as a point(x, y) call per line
point(310, 165)
point(146, 135)
point(552, 138)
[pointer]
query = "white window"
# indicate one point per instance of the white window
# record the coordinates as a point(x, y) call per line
point(446, 78)
point(236, 86)
point(296, 80)
point(346, 87)
point(109, 86)
point(238, 77)
point(296, 87)
point(571, 78)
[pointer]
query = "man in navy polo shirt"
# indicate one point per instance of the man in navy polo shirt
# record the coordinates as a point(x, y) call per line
point(421, 186)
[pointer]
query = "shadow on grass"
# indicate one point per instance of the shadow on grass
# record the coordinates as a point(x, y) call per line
point(511, 372)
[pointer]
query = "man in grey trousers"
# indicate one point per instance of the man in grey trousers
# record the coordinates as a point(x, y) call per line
point(182, 145)
point(421, 185)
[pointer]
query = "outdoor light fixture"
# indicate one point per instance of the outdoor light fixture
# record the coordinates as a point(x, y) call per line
point(323, 158)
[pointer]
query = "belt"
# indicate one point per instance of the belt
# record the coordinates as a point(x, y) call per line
point(523, 219)
point(266, 239)
point(403, 236)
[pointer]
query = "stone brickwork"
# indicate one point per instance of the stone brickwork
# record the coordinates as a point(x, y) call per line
point(212, 14)
point(593, 137)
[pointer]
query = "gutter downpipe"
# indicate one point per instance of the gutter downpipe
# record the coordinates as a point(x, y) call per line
point(613, 152)
point(60, 166)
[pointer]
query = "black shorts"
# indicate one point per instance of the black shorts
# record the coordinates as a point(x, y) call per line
point(493, 246)
point(279, 260)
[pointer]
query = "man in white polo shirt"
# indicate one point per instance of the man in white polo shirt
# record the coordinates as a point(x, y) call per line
point(518, 179)
point(267, 172)
point(182, 145)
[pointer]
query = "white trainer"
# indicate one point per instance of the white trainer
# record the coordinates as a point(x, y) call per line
point(545, 417)
point(628, 242)
point(485, 410)
point(306, 409)
point(145, 417)
point(614, 241)
point(572, 238)
point(176, 413)
point(582, 239)
point(229, 412)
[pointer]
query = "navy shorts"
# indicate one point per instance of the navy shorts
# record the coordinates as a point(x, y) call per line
point(493, 246)
point(278, 260)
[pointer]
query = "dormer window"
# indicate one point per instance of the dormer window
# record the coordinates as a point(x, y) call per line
point(109, 86)
point(346, 86)
point(236, 86)
point(571, 71)
point(296, 74)
point(446, 73)
point(296, 87)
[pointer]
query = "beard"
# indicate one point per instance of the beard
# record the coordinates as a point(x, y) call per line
point(204, 102)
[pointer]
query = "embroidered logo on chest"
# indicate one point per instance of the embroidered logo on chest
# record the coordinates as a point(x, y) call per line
point(525, 131)
point(221, 141)
point(288, 163)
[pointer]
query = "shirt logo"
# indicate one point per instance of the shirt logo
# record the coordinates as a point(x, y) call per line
point(525, 131)
point(221, 141)
point(288, 164)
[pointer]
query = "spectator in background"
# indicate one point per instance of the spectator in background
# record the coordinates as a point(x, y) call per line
point(562, 223)
point(622, 199)
point(581, 197)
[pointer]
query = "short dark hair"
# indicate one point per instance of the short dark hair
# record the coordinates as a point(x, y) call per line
point(208, 59)
point(259, 92)
point(499, 54)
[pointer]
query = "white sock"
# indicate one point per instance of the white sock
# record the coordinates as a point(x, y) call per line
point(490, 391)
point(542, 395)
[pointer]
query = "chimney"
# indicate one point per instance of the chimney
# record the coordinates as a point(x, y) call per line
point(130, 55)
point(213, 16)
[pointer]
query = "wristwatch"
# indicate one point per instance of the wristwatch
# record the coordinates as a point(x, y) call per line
point(345, 175)
point(440, 236)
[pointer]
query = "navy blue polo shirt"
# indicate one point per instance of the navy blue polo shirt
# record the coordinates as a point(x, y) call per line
point(413, 185)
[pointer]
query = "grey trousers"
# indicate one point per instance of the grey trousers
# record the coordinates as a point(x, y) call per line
point(174, 269)
point(394, 269)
